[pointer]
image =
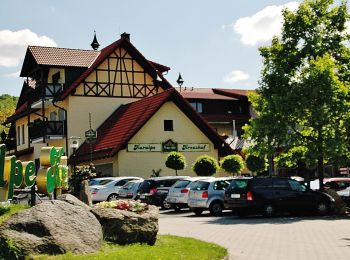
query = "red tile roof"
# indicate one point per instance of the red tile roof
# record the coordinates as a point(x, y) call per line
point(63, 56)
point(202, 93)
point(232, 92)
point(127, 120)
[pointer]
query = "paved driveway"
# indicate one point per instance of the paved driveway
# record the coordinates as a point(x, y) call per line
point(257, 238)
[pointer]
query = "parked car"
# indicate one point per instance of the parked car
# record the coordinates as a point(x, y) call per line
point(270, 195)
point(208, 194)
point(338, 183)
point(345, 195)
point(129, 190)
point(178, 193)
point(154, 190)
point(108, 190)
point(100, 181)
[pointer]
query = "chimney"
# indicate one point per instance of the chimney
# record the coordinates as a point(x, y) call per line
point(125, 36)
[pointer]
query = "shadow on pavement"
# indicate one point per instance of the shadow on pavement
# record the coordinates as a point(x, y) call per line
point(227, 218)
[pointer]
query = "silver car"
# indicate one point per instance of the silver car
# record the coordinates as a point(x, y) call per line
point(208, 195)
point(109, 190)
point(178, 194)
point(129, 190)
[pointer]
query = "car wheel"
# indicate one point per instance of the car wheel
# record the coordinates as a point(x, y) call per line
point(216, 208)
point(112, 197)
point(269, 210)
point(165, 205)
point(197, 211)
point(322, 208)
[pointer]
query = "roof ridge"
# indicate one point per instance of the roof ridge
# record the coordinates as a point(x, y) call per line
point(62, 48)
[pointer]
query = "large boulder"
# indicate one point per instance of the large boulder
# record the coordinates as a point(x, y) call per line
point(73, 200)
point(125, 227)
point(52, 227)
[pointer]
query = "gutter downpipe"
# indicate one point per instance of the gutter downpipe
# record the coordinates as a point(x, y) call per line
point(65, 123)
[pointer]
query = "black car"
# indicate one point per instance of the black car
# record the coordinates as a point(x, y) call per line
point(274, 194)
point(154, 190)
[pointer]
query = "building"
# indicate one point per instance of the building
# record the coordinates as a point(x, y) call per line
point(226, 110)
point(138, 115)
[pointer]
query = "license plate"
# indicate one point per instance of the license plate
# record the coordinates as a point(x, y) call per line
point(142, 196)
point(235, 196)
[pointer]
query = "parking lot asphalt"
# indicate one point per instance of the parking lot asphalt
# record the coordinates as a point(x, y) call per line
point(258, 238)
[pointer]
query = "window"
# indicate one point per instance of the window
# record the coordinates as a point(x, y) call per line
point(168, 125)
point(61, 115)
point(199, 185)
point(23, 137)
point(197, 106)
point(18, 135)
point(296, 186)
point(53, 116)
point(221, 185)
point(181, 184)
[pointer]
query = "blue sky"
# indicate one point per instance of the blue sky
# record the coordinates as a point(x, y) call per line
point(213, 44)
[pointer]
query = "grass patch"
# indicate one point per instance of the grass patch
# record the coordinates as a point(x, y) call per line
point(166, 247)
point(7, 211)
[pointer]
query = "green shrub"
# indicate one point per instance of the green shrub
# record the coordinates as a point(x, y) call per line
point(232, 164)
point(205, 166)
point(175, 161)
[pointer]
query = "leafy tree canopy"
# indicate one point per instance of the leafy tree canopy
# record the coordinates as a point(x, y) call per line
point(303, 97)
point(256, 163)
point(205, 166)
point(175, 161)
point(232, 163)
point(7, 107)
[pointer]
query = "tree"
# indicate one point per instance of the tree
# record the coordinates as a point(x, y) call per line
point(303, 97)
point(255, 163)
point(232, 163)
point(175, 161)
point(205, 166)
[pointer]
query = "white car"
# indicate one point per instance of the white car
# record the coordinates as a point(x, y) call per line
point(178, 193)
point(107, 188)
point(129, 190)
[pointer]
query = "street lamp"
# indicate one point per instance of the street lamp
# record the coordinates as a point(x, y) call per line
point(180, 81)
point(74, 144)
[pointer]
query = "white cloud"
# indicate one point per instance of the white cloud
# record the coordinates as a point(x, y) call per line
point(235, 76)
point(14, 43)
point(13, 75)
point(263, 25)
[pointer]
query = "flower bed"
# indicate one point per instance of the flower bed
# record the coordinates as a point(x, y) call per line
point(129, 205)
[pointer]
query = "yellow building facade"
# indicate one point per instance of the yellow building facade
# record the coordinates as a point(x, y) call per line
point(69, 91)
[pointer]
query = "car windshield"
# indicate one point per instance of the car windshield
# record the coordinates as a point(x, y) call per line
point(181, 184)
point(199, 185)
point(99, 182)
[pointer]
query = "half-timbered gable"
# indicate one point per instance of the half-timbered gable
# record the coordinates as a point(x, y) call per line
point(119, 75)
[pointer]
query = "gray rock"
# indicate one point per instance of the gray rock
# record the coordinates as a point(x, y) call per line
point(73, 200)
point(52, 227)
point(125, 227)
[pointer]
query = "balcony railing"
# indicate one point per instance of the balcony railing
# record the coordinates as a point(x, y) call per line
point(47, 129)
point(51, 91)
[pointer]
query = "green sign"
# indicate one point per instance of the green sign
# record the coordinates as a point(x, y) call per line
point(169, 146)
point(16, 174)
